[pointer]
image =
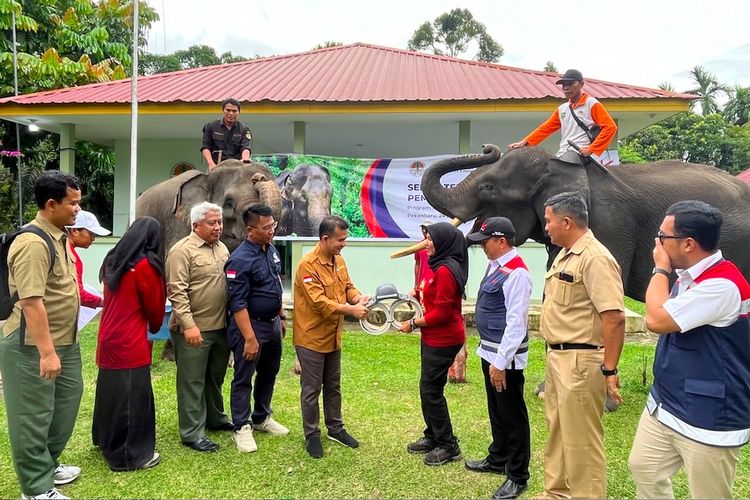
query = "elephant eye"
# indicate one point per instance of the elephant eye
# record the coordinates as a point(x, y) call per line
point(486, 186)
point(228, 203)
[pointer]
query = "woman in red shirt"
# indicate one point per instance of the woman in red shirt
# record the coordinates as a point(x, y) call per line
point(443, 335)
point(124, 426)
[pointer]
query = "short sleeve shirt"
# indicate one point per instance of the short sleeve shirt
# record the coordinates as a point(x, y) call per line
point(196, 285)
point(30, 275)
point(582, 283)
point(320, 286)
point(231, 142)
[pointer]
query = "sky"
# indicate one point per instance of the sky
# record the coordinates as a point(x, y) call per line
point(636, 42)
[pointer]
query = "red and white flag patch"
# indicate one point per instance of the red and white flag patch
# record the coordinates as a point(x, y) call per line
point(307, 279)
point(231, 274)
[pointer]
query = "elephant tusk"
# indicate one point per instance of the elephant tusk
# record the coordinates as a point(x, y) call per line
point(419, 246)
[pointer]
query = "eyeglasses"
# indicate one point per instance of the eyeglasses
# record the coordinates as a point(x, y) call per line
point(663, 237)
point(269, 227)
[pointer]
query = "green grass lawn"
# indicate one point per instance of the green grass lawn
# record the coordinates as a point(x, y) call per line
point(381, 409)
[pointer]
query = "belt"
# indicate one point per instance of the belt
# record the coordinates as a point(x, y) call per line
point(266, 320)
point(566, 346)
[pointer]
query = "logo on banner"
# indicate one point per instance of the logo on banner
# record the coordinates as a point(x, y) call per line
point(417, 168)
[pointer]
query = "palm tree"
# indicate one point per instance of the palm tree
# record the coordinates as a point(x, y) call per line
point(737, 110)
point(665, 85)
point(708, 88)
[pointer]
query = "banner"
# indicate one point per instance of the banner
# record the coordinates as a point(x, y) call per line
point(379, 198)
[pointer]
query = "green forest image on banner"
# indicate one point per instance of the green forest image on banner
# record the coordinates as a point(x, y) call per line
point(379, 198)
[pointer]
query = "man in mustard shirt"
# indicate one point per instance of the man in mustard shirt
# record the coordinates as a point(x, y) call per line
point(323, 294)
point(198, 292)
point(583, 322)
point(40, 358)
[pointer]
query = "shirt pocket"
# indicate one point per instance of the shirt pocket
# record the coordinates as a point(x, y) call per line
point(204, 266)
point(559, 290)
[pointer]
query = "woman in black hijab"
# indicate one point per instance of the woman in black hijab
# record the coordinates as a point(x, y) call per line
point(124, 426)
point(443, 335)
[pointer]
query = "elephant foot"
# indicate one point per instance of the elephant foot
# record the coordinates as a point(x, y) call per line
point(168, 353)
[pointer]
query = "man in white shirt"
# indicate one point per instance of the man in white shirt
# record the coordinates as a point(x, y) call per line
point(502, 313)
point(698, 411)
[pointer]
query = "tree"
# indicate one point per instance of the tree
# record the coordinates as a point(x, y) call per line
point(708, 88)
point(327, 44)
point(195, 56)
point(666, 86)
point(737, 109)
point(550, 67)
point(63, 43)
point(452, 32)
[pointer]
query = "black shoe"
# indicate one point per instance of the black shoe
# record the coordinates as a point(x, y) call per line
point(314, 447)
point(343, 437)
point(509, 489)
point(484, 465)
point(421, 445)
point(440, 455)
point(201, 444)
point(226, 426)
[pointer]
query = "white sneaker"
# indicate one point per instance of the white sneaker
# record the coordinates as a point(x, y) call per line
point(245, 440)
point(65, 474)
point(53, 494)
point(272, 427)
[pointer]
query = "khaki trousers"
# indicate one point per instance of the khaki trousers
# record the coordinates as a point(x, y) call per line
point(659, 452)
point(574, 393)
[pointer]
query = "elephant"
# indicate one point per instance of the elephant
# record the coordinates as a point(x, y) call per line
point(306, 199)
point(626, 203)
point(233, 185)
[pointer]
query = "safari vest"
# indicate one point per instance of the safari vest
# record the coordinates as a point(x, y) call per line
point(702, 376)
point(491, 310)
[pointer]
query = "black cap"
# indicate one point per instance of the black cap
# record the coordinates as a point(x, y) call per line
point(494, 226)
point(572, 75)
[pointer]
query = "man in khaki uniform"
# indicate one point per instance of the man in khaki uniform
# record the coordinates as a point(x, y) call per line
point(323, 294)
point(40, 358)
point(583, 322)
point(198, 291)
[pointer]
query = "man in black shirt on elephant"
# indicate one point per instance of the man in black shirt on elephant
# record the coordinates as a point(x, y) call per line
point(226, 138)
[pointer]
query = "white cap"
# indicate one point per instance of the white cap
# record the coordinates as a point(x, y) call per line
point(87, 220)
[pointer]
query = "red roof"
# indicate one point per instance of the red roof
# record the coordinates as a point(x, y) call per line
point(744, 175)
point(351, 73)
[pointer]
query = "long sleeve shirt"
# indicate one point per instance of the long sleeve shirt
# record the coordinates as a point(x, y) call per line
point(442, 311)
point(517, 294)
point(196, 284)
point(88, 299)
point(137, 304)
point(590, 111)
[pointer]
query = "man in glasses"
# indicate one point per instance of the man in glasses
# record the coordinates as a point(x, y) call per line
point(583, 322)
point(698, 411)
point(226, 138)
point(257, 325)
point(502, 314)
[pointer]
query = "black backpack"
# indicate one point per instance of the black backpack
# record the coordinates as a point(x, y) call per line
point(6, 300)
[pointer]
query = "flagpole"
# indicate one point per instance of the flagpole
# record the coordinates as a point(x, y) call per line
point(18, 128)
point(134, 117)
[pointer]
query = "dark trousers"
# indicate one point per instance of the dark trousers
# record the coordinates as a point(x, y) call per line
point(41, 413)
point(266, 364)
point(509, 421)
point(320, 370)
point(200, 375)
point(434, 375)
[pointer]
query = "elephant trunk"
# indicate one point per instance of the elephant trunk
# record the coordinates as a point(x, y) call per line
point(317, 210)
point(269, 195)
point(457, 202)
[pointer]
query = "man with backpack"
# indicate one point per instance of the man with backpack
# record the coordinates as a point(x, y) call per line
point(40, 359)
point(581, 120)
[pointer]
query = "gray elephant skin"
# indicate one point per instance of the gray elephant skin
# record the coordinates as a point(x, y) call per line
point(232, 185)
point(306, 199)
point(626, 203)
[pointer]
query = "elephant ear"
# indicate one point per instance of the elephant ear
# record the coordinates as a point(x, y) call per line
point(192, 189)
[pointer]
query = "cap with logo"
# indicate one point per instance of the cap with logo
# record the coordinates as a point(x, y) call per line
point(493, 226)
point(572, 75)
point(87, 220)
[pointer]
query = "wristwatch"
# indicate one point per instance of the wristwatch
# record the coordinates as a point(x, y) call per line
point(659, 270)
point(413, 324)
point(608, 373)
